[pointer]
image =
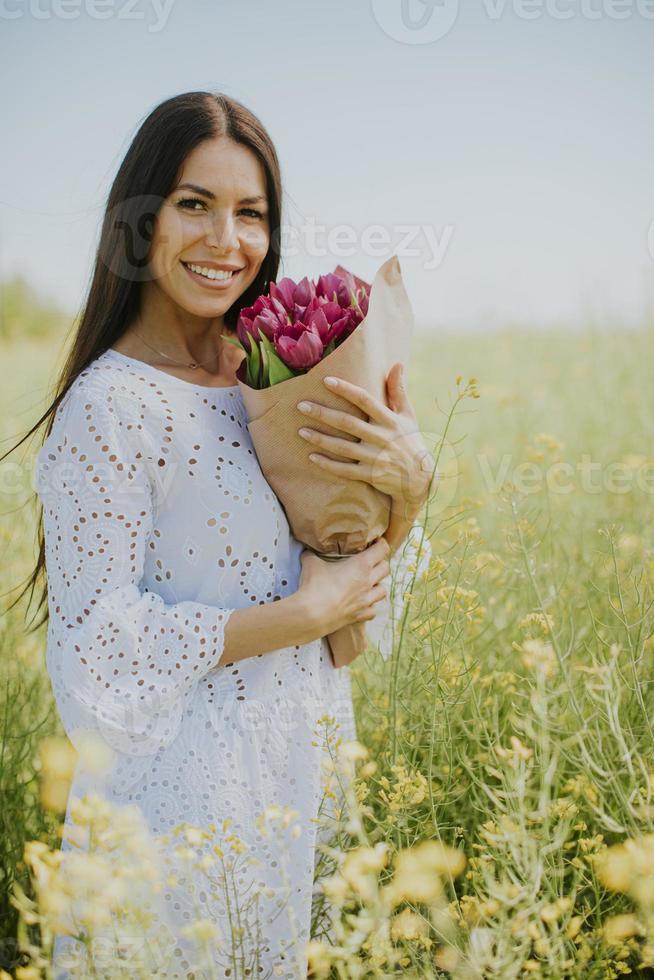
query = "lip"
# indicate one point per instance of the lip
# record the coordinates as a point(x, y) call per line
point(208, 264)
point(214, 284)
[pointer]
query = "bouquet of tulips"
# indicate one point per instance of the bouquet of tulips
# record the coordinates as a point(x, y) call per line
point(293, 337)
point(296, 325)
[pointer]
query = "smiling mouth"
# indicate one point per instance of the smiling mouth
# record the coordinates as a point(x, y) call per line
point(211, 275)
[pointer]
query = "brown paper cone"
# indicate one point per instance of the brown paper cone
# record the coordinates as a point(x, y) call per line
point(347, 643)
point(329, 514)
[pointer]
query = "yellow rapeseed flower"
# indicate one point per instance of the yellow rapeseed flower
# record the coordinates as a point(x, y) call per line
point(319, 957)
point(629, 868)
point(202, 931)
point(353, 751)
point(361, 866)
point(418, 871)
point(408, 925)
point(57, 757)
point(539, 657)
point(617, 928)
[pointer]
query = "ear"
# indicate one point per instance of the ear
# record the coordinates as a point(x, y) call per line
point(397, 397)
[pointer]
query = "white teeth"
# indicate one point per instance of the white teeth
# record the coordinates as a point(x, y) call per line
point(210, 273)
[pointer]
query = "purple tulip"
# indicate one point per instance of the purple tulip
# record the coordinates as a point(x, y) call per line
point(284, 292)
point(244, 331)
point(269, 323)
point(334, 289)
point(305, 291)
point(302, 353)
point(316, 320)
point(302, 319)
point(337, 319)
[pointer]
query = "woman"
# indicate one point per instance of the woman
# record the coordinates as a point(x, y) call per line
point(186, 623)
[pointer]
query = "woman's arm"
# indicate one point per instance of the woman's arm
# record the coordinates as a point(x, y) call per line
point(400, 523)
point(121, 659)
point(259, 629)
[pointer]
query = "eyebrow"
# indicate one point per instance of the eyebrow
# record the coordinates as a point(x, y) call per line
point(202, 190)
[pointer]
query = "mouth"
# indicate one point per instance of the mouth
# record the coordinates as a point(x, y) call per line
point(212, 278)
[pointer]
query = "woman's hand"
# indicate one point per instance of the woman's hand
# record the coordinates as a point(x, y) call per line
point(389, 452)
point(336, 593)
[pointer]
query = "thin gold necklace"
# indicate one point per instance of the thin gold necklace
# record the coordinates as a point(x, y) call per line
point(191, 364)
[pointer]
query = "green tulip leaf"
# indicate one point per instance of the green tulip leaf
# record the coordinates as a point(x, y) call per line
point(277, 370)
point(233, 340)
point(264, 360)
point(254, 364)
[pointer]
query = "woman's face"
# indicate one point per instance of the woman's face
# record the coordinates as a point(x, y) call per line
point(216, 218)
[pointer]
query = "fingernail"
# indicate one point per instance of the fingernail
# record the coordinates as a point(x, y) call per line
point(331, 382)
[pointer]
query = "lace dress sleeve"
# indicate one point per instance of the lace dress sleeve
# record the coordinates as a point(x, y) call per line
point(122, 662)
point(413, 556)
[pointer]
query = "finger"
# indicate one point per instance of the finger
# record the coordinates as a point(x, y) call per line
point(376, 594)
point(366, 616)
point(381, 570)
point(339, 446)
point(344, 422)
point(349, 471)
point(380, 549)
point(380, 566)
point(395, 385)
point(373, 600)
point(362, 398)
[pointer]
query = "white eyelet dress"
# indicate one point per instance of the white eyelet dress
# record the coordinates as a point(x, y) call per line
point(159, 523)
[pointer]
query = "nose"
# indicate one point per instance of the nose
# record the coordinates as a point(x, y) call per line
point(221, 232)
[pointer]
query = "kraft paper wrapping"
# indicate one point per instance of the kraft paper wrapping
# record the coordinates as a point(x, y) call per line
point(329, 514)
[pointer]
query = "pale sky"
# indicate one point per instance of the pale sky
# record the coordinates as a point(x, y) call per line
point(510, 140)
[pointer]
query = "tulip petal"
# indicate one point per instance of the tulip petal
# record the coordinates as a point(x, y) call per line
point(300, 354)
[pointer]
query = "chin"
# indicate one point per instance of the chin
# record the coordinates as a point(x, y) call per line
point(207, 306)
point(201, 306)
point(208, 310)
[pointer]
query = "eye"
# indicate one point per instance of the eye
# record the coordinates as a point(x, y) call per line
point(188, 203)
point(254, 212)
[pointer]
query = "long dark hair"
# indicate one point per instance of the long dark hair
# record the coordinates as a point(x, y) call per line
point(145, 178)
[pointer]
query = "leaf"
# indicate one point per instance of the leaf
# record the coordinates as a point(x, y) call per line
point(264, 361)
point(252, 362)
point(233, 340)
point(254, 365)
point(249, 377)
point(265, 343)
point(276, 370)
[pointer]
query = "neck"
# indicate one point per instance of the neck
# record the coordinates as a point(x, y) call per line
point(176, 332)
point(185, 338)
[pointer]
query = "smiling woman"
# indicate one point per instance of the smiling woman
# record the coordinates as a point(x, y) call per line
point(207, 241)
point(186, 624)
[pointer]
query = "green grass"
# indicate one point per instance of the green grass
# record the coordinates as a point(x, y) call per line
point(530, 757)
